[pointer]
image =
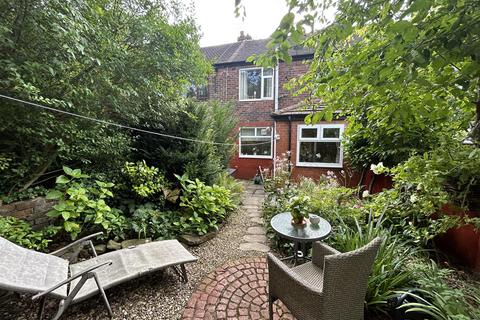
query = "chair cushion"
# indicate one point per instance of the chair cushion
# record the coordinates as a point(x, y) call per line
point(310, 273)
point(129, 264)
point(28, 271)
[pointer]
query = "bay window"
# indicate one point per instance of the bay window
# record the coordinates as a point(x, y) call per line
point(320, 145)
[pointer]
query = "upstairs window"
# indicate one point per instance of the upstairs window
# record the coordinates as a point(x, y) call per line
point(320, 146)
point(255, 142)
point(256, 84)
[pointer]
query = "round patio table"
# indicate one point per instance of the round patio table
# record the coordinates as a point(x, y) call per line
point(300, 236)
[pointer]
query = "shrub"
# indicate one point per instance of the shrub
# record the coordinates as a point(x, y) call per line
point(439, 300)
point(146, 181)
point(21, 233)
point(212, 122)
point(82, 206)
point(205, 206)
point(236, 188)
point(149, 221)
point(390, 272)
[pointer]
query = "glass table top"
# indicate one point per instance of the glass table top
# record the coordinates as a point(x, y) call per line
point(282, 224)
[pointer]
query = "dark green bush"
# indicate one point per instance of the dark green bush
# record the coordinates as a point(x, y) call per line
point(211, 122)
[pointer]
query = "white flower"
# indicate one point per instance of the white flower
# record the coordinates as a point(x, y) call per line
point(378, 168)
point(365, 194)
point(413, 198)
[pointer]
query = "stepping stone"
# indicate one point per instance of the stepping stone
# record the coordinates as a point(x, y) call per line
point(254, 246)
point(257, 220)
point(256, 230)
point(254, 214)
point(255, 238)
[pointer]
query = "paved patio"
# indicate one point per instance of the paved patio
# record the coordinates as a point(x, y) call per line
point(237, 290)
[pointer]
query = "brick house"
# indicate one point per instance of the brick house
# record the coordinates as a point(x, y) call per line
point(271, 123)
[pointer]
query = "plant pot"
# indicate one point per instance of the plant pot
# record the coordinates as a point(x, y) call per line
point(299, 223)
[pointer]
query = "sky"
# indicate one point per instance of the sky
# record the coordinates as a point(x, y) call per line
point(219, 25)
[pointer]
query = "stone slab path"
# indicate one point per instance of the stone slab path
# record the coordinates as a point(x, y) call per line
point(255, 238)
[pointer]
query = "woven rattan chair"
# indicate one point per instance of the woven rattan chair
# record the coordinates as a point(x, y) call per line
point(330, 287)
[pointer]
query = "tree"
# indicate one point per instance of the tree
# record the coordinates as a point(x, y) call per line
point(121, 61)
point(403, 72)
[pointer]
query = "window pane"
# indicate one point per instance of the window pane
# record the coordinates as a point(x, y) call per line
point(250, 84)
point(247, 131)
point(255, 147)
point(265, 132)
point(268, 72)
point(267, 87)
point(331, 133)
point(309, 133)
point(324, 152)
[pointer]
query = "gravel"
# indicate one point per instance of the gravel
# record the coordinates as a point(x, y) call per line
point(159, 296)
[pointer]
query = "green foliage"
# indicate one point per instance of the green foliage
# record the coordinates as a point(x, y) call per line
point(146, 181)
point(299, 207)
point(404, 73)
point(438, 299)
point(26, 194)
point(235, 187)
point(148, 221)
point(123, 62)
point(212, 122)
point(390, 272)
point(21, 233)
point(205, 206)
point(423, 185)
point(82, 204)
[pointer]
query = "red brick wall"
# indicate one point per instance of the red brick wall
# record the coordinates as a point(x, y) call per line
point(285, 74)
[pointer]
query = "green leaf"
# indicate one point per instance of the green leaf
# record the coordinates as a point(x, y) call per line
point(54, 195)
point(62, 180)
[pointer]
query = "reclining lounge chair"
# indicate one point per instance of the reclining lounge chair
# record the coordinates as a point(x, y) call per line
point(49, 275)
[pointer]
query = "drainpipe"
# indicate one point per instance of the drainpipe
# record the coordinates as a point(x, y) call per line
point(289, 152)
point(276, 86)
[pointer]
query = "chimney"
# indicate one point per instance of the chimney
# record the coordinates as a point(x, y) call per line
point(243, 37)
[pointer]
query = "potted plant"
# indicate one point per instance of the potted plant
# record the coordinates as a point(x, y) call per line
point(299, 207)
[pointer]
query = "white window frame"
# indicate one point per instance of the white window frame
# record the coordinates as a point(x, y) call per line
point(240, 155)
point(261, 84)
point(320, 138)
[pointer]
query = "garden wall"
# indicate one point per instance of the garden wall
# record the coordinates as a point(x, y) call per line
point(33, 211)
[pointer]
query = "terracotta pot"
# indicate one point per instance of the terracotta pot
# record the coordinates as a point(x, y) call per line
point(298, 222)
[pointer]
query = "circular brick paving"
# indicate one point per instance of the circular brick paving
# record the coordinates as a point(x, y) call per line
point(237, 290)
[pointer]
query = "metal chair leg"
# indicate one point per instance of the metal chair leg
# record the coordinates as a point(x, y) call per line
point(41, 310)
point(184, 273)
point(270, 307)
point(104, 297)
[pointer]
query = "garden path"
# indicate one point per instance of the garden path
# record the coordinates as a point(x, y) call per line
point(255, 238)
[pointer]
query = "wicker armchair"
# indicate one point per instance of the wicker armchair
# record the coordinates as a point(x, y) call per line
point(332, 286)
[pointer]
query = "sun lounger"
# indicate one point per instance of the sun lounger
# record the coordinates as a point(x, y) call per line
point(49, 275)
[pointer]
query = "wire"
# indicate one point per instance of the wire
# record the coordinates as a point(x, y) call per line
point(127, 127)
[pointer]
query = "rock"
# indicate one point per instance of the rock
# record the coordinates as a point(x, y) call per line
point(255, 238)
point(194, 240)
point(134, 242)
point(256, 230)
point(101, 248)
point(254, 246)
point(113, 245)
point(257, 221)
